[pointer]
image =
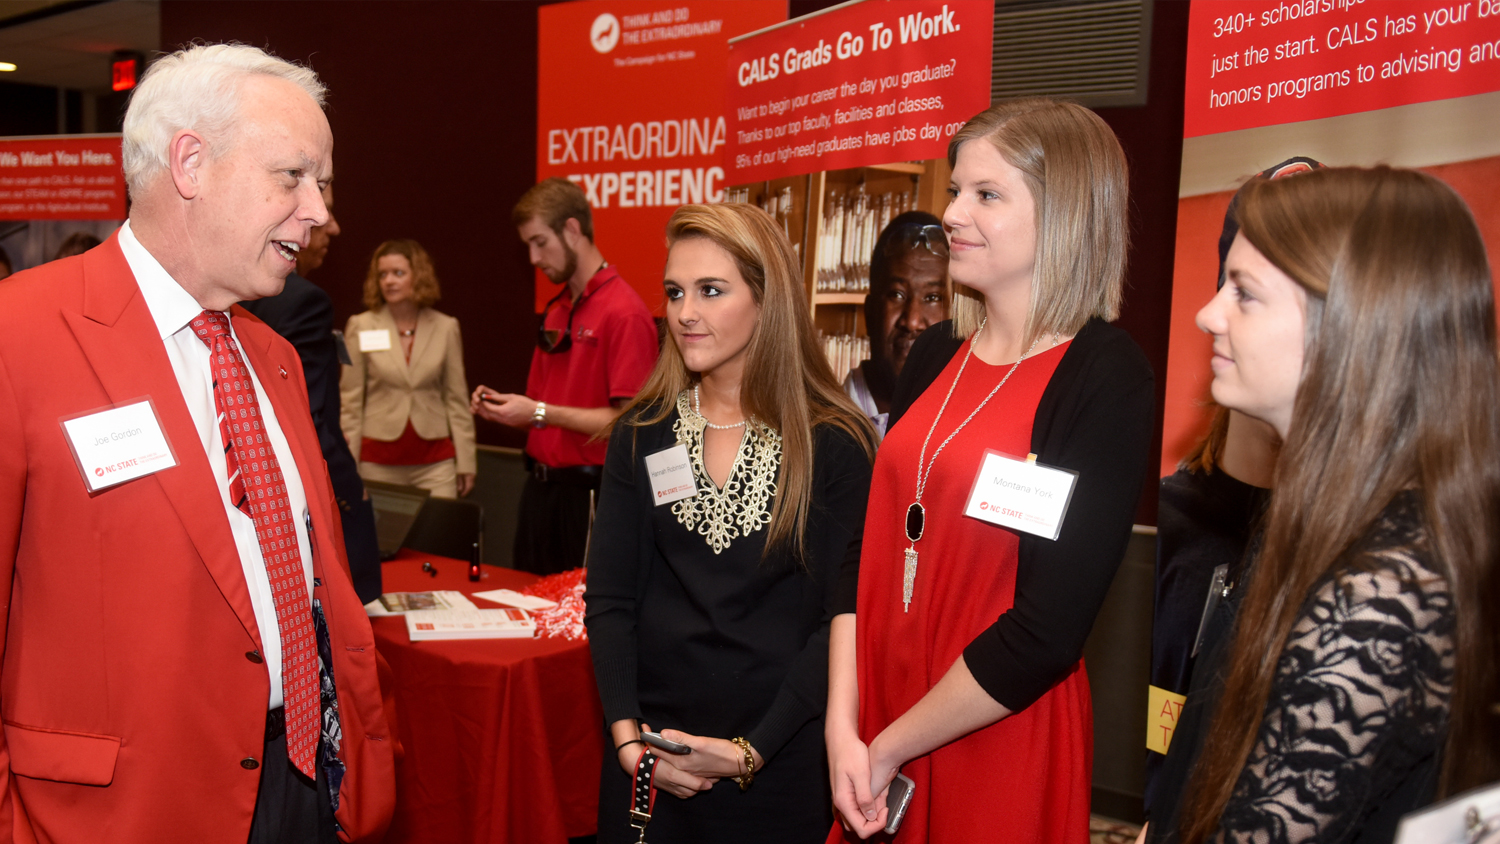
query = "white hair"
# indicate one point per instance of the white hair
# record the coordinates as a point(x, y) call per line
point(197, 87)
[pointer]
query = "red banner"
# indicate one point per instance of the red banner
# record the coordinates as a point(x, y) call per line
point(630, 106)
point(867, 83)
point(64, 177)
point(1256, 63)
point(1355, 83)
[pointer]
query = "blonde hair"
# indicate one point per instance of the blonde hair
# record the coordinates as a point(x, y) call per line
point(1076, 172)
point(197, 87)
point(424, 282)
point(788, 384)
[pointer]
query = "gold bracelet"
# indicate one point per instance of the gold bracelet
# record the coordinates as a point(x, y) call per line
point(749, 776)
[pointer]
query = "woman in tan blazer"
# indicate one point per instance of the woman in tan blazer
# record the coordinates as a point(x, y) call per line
point(405, 399)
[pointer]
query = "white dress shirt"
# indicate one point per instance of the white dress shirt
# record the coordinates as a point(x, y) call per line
point(172, 308)
point(859, 390)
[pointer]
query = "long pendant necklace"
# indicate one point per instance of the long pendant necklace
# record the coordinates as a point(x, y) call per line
point(916, 515)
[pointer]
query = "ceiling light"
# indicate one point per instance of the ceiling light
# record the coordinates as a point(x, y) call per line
point(6, 67)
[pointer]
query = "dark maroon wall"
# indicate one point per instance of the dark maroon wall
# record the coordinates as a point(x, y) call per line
point(1152, 138)
point(433, 108)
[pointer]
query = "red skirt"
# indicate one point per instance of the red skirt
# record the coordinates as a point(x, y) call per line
point(406, 450)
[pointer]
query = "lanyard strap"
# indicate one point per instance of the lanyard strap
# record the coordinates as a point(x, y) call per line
point(643, 792)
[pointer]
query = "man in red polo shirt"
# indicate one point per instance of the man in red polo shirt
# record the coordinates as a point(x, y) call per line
point(596, 346)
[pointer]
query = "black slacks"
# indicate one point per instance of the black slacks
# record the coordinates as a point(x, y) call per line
point(290, 808)
point(553, 526)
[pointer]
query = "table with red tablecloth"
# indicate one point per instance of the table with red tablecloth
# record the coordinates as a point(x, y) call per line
point(502, 737)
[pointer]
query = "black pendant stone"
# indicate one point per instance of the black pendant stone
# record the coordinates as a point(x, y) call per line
point(915, 516)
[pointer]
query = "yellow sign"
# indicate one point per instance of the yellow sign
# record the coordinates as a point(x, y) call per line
point(1163, 708)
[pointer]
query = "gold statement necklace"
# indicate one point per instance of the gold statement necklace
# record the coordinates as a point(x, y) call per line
point(916, 514)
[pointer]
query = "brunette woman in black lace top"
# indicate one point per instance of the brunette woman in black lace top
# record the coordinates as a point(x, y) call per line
point(1345, 678)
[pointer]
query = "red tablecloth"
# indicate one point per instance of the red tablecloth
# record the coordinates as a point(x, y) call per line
point(503, 737)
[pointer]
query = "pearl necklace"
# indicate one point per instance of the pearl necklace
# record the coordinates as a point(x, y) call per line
point(739, 424)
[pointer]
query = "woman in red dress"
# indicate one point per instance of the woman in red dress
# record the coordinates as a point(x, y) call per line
point(964, 670)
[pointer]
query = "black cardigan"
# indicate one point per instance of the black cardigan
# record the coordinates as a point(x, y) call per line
point(1096, 417)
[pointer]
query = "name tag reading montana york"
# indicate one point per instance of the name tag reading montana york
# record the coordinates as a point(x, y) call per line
point(117, 445)
point(671, 472)
point(1021, 494)
point(376, 340)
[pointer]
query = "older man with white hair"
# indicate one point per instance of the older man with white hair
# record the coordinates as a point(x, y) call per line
point(184, 658)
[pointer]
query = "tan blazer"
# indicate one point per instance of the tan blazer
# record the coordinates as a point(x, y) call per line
point(380, 391)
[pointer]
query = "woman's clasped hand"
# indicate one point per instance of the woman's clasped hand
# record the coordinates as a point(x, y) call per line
point(858, 799)
point(684, 775)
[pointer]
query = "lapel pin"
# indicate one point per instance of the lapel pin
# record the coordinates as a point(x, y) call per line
point(283, 371)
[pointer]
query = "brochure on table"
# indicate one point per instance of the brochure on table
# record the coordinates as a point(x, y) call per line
point(507, 623)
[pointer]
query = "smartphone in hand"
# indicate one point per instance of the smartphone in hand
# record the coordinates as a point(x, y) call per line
point(897, 799)
point(666, 745)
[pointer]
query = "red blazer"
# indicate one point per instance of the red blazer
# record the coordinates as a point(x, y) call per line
point(127, 694)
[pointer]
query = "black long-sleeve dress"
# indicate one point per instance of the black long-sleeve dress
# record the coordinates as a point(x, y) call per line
point(1357, 715)
point(1204, 520)
point(692, 629)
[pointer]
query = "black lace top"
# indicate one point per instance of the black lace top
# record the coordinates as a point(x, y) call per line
point(1358, 710)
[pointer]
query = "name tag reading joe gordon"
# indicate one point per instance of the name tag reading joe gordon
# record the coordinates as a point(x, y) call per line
point(1021, 494)
point(671, 472)
point(117, 445)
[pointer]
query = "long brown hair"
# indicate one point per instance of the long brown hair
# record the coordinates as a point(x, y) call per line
point(788, 384)
point(1075, 169)
point(1398, 391)
point(1208, 453)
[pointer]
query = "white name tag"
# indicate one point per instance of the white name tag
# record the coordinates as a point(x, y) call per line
point(1468, 818)
point(117, 445)
point(671, 472)
point(377, 340)
point(1021, 494)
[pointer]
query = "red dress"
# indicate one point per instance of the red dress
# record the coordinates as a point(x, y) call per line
point(1027, 777)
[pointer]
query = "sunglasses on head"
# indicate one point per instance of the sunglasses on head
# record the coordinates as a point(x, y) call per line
point(553, 341)
point(929, 237)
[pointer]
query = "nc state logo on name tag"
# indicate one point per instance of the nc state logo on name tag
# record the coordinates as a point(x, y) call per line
point(375, 340)
point(671, 472)
point(1021, 494)
point(119, 444)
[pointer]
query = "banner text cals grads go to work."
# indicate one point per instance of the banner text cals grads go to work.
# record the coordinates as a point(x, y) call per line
point(872, 83)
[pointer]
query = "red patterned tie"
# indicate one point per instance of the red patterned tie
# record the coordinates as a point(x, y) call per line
point(256, 488)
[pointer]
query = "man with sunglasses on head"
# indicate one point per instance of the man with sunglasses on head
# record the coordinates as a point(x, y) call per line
point(908, 292)
point(595, 348)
